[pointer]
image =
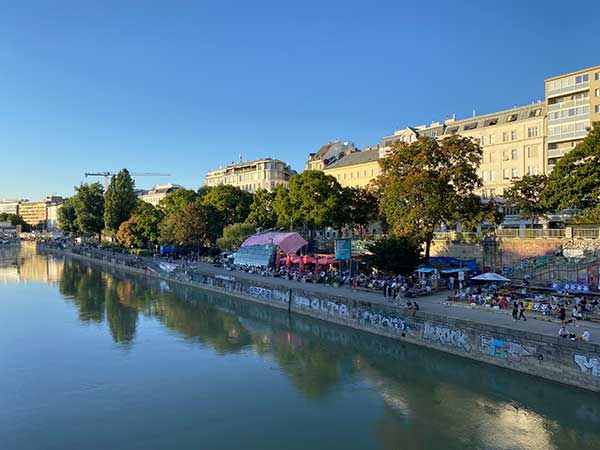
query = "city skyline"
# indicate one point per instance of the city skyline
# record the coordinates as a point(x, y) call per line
point(84, 93)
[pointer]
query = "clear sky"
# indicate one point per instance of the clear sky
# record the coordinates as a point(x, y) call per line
point(183, 87)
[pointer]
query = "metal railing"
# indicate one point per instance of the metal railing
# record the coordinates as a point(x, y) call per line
point(586, 233)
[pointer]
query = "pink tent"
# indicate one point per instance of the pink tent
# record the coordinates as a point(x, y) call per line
point(290, 243)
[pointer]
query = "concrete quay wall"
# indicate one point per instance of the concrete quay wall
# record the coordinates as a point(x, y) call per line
point(564, 361)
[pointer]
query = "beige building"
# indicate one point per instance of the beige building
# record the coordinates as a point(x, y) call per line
point(34, 213)
point(357, 169)
point(329, 154)
point(251, 175)
point(573, 104)
point(158, 192)
point(9, 207)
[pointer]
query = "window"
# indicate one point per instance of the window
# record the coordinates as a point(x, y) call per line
point(504, 136)
point(535, 112)
point(512, 117)
point(492, 175)
point(492, 138)
point(532, 132)
point(484, 175)
point(505, 155)
point(492, 193)
point(490, 122)
point(597, 76)
point(581, 79)
point(513, 135)
point(452, 130)
point(489, 157)
point(470, 126)
point(597, 108)
point(513, 154)
point(532, 151)
point(597, 91)
point(483, 140)
point(505, 174)
point(515, 173)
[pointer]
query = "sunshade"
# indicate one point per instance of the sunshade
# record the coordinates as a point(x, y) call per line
point(490, 276)
point(288, 242)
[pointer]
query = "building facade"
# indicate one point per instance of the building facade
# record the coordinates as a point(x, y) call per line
point(357, 169)
point(34, 213)
point(328, 154)
point(250, 176)
point(9, 207)
point(158, 192)
point(573, 104)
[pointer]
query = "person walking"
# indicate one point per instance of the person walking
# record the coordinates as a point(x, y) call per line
point(522, 312)
point(515, 311)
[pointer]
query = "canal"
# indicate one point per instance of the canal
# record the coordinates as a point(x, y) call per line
point(95, 358)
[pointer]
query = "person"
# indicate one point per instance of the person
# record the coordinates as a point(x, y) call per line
point(522, 312)
point(585, 336)
point(451, 283)
point(562, 315)
point(415, 308)
point(563, 332)
point(515, 310)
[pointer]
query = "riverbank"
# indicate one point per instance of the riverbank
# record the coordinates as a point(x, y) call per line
point(532, 347)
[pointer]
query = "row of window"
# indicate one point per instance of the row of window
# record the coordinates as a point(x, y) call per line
point(530, 150)
point(570, 128)
point(568, 82)
point(571, 112)
point(508, 173)
point(358, 174)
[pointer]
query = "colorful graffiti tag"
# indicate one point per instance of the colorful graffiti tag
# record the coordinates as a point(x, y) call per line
point(512, 351)
point(586, 364)
point(446, 336)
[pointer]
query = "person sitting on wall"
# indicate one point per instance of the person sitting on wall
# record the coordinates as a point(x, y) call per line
point(564, 332)
point(585, 336)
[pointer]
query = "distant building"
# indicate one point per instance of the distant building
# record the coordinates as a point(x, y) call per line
point(52, 216)
point(329, 154)
point(357, 169)
point(251, 175)
point(158, 192)
point(9, 207)
point(36, 213)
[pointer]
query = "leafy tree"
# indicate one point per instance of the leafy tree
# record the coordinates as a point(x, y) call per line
point(128, 235)
point(361, 207)
point(399, 255)
point(232, 202)
point(197, 224)
point(89, 208)
point(120, 200)
point(262, 213)
point(234, 235)
point(312, 199)
point(148, 219)
point(427, 183)
point(575, 181)
point(67, 217)
point(15, 220)
point(174, 201)
point(525, 196)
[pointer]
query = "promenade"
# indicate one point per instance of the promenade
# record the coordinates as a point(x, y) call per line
point(434, 304)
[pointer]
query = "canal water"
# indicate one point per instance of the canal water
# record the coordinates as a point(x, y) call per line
point(95, 358)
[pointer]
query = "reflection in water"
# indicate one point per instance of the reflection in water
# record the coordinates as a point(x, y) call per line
point(428, 399)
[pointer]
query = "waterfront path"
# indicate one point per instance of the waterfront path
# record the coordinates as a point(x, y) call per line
point(434, 304)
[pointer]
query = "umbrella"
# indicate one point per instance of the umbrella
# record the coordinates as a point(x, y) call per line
point(490, 276)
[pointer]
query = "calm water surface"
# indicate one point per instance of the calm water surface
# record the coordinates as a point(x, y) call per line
point(94, 358)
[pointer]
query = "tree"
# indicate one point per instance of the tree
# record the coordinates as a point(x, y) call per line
point(312, 199)
point(525, 196)
point(128, 235)
point(361, 207)
point(426, 183)
point(120, 200)
point(197, 224)
point(231, 201)
point(89, 208)
point(575, 181)
point(148, 219)
point(399, 255)
point(262, 213)
point(67, 217)
point(174, 201)
point(15, 220)
point(234, 235)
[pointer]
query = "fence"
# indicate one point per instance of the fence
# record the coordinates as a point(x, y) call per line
point(525, 233)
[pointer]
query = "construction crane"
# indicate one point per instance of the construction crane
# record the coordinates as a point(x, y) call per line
point(107, 175)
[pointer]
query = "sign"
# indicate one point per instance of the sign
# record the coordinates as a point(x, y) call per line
point(461, 275)
point(343, 249)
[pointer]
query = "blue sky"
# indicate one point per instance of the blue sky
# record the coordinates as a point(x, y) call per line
point(182, 87)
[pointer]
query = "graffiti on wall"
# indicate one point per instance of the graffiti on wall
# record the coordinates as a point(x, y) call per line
point(512, 351)
point(586, 364)
point(259, 292)
point(382, 320)
point(446, 336)
point(325, 306)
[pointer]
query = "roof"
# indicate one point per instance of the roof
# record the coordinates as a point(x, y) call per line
point(577, 72)
point(361, 157)
point(288, 242)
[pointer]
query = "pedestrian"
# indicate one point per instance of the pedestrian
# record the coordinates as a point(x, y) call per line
point(515, 310)
point(415, 308)
point(585, 336)
point(522, 312)
point(562, 315)
point(385, 286)
point(451, 283)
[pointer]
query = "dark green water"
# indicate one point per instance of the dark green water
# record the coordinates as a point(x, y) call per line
point(93, 358)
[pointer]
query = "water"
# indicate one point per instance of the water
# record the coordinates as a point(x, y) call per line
point(95, 358)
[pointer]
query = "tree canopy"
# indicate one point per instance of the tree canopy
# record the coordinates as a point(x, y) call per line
point(262, 213)
point(15, 220)
point(120, 200)
point(525, 195)
point(89, 208)
point(67, 217)
point(232, 202)
point(399, 255)
point(427, 183)
point(197, 224)
point(234, 235)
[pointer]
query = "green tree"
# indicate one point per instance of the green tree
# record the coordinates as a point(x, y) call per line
point(197, 225)
point(120, 200)
point(525, 196)
point(575, 181)
point(361, 206)
point(234, 235)
point(15, 220)
point(232, 202)
point(393, 254)
point(148, 219)
point(89, 208)
point(262, 213)
point(426, 183)
point(312, 199)
point(174, 201)
point(67, 217)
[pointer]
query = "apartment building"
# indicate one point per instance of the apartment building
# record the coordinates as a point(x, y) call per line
point(158, 192)
point(573, 104)
point(9, 207)
point(329, 154)
point(250, 176)
point(34, 213)
point(357, 169)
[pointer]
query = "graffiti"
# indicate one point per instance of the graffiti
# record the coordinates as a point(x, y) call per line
point(259, 292)
point(281, 296)
point(512, 351)
point(381, 320)
point(446, 336)
point(586, 364)
point(302, 301)
point(167, 267)
point(224, 277)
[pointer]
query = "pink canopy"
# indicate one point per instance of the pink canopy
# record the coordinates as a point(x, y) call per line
point(288, 242)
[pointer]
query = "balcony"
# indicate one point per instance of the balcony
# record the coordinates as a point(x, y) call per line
point(580, 134)
point(569, 89)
